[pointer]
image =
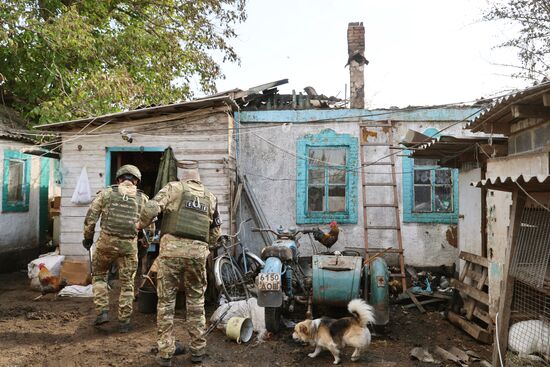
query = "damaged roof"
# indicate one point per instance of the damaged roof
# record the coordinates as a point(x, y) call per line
point(530, 102)
point(231, 98)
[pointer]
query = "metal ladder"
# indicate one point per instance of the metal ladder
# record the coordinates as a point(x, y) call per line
point(377, 129)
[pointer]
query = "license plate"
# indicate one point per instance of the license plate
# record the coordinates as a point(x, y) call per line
point(269, 281)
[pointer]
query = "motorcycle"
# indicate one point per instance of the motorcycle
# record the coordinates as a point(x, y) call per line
point(281, 282)
point(335, 278)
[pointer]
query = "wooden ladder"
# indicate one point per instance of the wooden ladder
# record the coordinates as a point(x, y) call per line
point(375, 130)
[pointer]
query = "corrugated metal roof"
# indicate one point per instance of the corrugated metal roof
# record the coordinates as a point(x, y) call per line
point(451, 151)
point(16, 137)
point(141, 113)
point(510, 183)
point(497, 117)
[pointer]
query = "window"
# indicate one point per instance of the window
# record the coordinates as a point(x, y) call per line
point(433, 187)
point(430, 192)
point(327, 180)
point(16, 189)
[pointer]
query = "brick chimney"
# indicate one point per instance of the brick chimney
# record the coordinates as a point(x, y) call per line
point(356, 62)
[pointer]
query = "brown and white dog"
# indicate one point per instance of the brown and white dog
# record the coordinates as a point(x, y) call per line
point(336, 334)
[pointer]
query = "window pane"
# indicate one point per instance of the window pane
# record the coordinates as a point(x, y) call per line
point(315, 198)
point(15, 180)
point(425, 162)
point(443, 199)
point(333, 156)
point(337, 176)
point(422, 198)
point(337, 198)
point(443, 176)
point(316, 176)
point(542, 136)
point(422, 176)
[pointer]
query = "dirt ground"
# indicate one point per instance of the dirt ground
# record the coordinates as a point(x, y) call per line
point(58, 332)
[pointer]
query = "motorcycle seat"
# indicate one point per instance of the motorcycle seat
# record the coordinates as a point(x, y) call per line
point(283, 253)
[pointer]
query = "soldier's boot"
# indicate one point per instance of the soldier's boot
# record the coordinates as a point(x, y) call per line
point(124, 327)
point(165, 362)
point(180, 349)
point(102, 318)
point(197, 358)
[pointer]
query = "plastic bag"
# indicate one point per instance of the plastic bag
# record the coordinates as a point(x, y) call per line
point(51, 261)
point(82, 193)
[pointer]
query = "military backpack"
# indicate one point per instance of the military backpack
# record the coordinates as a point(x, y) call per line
point(122, 214)
point(193, 216)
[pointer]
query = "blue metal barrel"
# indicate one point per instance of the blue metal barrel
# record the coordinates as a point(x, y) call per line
point(336, 279)
point(379, 291)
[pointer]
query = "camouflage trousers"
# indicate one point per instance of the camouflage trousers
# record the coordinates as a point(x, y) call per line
point(193, 273)
point(104, 256)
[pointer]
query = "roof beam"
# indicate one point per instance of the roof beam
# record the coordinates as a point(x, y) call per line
point(522, 111)
point(546, 99)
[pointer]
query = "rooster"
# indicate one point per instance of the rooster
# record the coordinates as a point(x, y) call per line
point(49, 283)
point(330, 238)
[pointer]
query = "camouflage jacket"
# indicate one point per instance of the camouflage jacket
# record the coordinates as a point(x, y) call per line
point(167, 199)
point(98, 207)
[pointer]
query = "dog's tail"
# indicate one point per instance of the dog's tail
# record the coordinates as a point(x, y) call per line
point(361, 311)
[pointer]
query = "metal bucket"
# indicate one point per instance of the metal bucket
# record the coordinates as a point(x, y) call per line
point(239, 329)
point(147, 300)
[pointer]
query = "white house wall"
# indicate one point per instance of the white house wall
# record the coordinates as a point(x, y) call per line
point(271, 170)
point(204, 138)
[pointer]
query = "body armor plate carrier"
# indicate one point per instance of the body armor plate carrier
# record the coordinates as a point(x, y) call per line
point(192, 219)
point(122, 214)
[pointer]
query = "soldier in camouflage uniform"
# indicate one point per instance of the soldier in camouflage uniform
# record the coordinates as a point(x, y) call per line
point(119, 207)
point(190, 223)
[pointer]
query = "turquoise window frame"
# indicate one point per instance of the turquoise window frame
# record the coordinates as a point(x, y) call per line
point(410, 216)
point(109, 150)
point(23, 205)
point(326, 139)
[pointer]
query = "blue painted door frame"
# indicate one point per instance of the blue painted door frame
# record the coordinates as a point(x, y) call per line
point(110, 150)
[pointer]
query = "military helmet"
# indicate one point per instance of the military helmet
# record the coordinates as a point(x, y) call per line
point(129, 169)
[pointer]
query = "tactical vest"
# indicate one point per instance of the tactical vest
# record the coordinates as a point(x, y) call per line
point(192, 218)
point(122, 214)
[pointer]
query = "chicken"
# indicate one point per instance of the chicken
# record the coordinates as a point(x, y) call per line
point(48, 282)
point(330, 238)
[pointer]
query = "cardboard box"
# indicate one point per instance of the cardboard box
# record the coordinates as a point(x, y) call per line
point(76, 272)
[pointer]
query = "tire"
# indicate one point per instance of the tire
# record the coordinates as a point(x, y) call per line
point(273, 319)
point(232, 281)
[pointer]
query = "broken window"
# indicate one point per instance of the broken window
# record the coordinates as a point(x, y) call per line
point(327, 180)
point(433, 187)
point(327, 175)
point(16, 190)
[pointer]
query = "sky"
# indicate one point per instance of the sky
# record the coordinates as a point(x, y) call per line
point(420, 52)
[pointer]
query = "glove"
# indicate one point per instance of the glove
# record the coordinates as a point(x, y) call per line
point(87, 244)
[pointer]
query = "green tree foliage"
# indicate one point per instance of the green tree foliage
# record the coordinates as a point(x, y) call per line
point(64, 59)
point(532, 18)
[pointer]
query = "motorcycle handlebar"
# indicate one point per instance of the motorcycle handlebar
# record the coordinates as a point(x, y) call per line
point(277, 234)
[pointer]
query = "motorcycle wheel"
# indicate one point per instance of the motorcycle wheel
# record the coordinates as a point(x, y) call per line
point(273, 319)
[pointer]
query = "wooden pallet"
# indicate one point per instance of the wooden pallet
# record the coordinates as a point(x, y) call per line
point(472, 284)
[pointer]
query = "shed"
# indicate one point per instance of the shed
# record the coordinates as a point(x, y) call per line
point(201, 130)
point(519, 217)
